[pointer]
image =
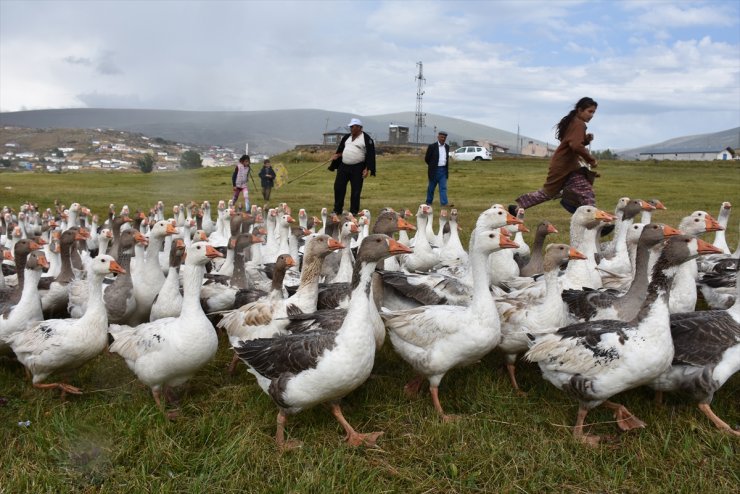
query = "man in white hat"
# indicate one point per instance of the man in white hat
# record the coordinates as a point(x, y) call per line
point(354, 160)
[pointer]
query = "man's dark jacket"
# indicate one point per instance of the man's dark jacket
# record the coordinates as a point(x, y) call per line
point(432, 160)
point(369, 154)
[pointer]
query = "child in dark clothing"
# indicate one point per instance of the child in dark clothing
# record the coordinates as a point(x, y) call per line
point(267, 177)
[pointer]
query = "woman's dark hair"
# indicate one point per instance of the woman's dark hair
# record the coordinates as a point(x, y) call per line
point(243, 158)
point(562, 126)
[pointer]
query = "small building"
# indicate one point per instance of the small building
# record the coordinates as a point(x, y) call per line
point(398, 135)
point(690, 155)
point(332, 137)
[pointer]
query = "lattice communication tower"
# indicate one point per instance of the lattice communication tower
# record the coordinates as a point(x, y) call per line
point(419, 93)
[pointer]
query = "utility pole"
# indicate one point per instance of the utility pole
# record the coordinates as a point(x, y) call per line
point(419, 93)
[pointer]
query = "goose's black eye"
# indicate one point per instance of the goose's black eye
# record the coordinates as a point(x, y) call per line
point(491, 235)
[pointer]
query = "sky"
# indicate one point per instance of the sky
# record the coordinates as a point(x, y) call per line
point(658, 69)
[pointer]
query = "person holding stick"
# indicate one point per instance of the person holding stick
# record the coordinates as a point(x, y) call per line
point(354, 160)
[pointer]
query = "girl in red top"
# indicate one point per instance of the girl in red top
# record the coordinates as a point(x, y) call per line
point(570, 166)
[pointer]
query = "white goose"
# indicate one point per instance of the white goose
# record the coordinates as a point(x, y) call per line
point(436, 338)
point(168, 302)
point(63, 344)
point(167, 352)
point(519, 317)
point(299, 371)
point(583, 232)
point(28, 310)
point(683, 291)
point(424, 257)
point(596, 360)
point(148, 283)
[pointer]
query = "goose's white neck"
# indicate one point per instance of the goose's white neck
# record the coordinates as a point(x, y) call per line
point(192, 278)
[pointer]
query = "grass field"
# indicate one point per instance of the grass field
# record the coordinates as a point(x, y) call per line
point(113, 439)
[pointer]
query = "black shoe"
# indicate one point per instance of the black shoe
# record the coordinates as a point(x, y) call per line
point(513, 209)
point(607, 230)
point(448, 205)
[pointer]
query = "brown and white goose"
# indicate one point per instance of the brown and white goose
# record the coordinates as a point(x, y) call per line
point(299, 371)
point(596, 360)
point(263, 319)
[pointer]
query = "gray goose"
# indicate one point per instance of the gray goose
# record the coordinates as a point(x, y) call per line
point(535, 264)
point(299, 371)
point(596, 360)
point(707, 354)
point(591, 305)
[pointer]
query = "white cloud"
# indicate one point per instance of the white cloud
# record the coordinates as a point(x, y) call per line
point(496, 63)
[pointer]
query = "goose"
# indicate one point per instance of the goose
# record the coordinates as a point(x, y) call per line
point(535, 265)
point(718, 286)
point(436, 338)
point(265, 318)
point(424, 257)
point(596, 360)
point(406, 291)
point(64, 344)
point(207, 224)
point(707, 354)
point(118, 296)
point(606, 248)
point(299, 371)
point(28, 310)
point(54, 300)
point(344, 270)
point(522, 254)
point(7, 255)
point(221, 296)
point(169, 351)
point(168, 302)
point(683, 291)
point(647, 215)
point(518, 317)
point(21, 250)
point(453, 251)
point(616, 259)
point(583, 233)
point(593, 305)
point(719, 236)
point(150, 280)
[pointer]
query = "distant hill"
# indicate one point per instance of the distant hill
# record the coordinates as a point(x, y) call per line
point(275, 131)
point(267, 132)
point(716, 141)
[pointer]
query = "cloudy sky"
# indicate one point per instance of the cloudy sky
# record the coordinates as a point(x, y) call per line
point(659, 69)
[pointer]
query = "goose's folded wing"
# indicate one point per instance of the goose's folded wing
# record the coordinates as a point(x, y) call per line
point(422, 326)
point(293, 353)
point(702, 339)
point(580, 348)
point(36, 339)
point(131, 343)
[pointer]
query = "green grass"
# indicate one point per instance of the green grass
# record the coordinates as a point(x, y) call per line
point(113, 439)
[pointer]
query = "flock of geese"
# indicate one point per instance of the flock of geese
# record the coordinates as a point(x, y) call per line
point(306, 304)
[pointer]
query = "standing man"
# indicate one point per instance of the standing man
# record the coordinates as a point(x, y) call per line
point(437, 159)
point(353, 161)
